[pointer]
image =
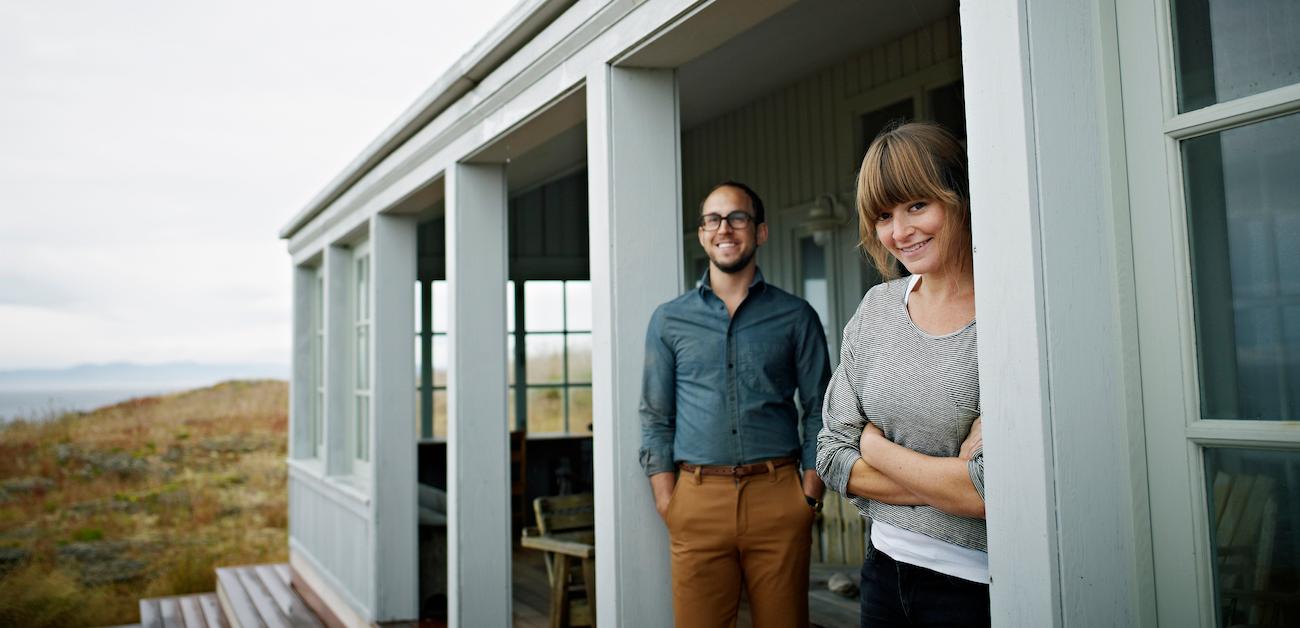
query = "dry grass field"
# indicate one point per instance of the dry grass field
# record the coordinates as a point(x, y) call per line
point(139, 499)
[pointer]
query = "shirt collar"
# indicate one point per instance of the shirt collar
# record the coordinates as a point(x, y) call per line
point(757, 284)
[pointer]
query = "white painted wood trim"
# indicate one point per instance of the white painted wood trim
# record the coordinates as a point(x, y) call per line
point(338, 359)
point(1253, 108)
point(478, 509)
point(302, 388)
point(393, 505)
point(634, 174)
point(1022, 528)
point(343, 493)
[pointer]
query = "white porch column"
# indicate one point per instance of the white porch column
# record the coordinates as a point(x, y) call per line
point(338, 359)
point(301, 385)
point(478, 511)
point(392, 444)
point(1069, 531)
point(634, 174)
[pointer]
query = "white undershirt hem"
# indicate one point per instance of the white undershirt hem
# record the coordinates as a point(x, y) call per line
point(914, 548)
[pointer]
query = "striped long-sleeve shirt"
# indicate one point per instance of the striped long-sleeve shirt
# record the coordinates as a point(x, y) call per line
point(921, 390)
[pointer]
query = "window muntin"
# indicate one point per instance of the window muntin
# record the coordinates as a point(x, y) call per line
point(431, 340)
point(1228, 49)
point(555, 343)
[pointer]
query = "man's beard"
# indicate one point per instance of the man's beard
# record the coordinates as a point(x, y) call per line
point(736, 266)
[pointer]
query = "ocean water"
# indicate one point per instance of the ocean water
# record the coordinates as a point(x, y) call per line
point(45, 404)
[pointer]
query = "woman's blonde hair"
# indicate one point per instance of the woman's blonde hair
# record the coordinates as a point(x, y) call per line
point(914, 161)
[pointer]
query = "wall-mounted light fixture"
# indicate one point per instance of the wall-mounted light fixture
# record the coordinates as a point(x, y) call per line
point(826, 215)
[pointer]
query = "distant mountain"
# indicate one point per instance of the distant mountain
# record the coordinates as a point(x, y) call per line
point(125, 375)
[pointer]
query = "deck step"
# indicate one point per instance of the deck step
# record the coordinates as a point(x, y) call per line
point(184, 611)
point(257, 596)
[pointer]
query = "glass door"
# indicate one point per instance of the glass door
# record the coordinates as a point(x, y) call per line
point(1214, 181)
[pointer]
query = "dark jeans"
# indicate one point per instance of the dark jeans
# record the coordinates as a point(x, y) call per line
point(899, 594)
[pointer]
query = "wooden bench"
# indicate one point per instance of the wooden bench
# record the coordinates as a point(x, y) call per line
point(566, 534)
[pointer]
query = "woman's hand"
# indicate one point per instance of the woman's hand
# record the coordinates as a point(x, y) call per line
point(974, 440)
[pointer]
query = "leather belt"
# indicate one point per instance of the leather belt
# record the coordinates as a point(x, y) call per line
point(740, 470)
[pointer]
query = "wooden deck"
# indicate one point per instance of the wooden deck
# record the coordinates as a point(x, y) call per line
point(532, 595)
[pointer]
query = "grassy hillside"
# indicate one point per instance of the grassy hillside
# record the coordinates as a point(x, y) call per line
point(137, 500)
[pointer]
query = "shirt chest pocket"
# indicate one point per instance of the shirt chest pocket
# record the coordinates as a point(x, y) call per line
point(766, 365)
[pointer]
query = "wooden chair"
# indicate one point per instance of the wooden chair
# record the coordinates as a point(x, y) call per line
point(566, 534)
point(839, 538)
point(1245, 515)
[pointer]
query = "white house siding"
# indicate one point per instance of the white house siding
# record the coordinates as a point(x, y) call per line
point(330, 529)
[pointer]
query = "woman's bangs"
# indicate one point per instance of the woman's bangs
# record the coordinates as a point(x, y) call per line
point(901, 172)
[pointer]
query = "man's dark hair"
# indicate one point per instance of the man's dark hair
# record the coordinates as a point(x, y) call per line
point(760, 215)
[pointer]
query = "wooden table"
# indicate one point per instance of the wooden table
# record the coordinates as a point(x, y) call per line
point(562, 548)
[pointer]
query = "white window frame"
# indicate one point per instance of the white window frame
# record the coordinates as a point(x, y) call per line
point(361, 410)
point(1175, 434)
point(318, 365)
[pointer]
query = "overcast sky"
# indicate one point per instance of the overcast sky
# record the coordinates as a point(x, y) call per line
point(151, 150)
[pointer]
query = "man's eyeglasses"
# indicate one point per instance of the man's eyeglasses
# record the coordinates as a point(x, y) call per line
point(737, 219)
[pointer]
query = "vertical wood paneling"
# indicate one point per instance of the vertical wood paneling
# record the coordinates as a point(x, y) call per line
point(792, 145)
point(908, 46)
point(925, 46)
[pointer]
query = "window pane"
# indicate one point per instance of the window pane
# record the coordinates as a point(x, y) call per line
point(419, 308)
point(812, 265)
point(510, 306)
point(1227, 49)
point(543, 306)
point(363, 357)
point(1255, 533)
point(510, 359)
point(419, 363)
point(440, 413)
point(440, 306)
point(1243, 201)
point(512, 414)
point(440, 361)
point(577, 305)
point(579, 358)
point(874, 122)
point(948, 107)
point(579, 410)
point(546, 409)
point(545, 358)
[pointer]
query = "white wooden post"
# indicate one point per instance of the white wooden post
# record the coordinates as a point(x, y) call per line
point(338, 359)
point(1059, 379)
point(302, 386)
point(393, 498)
point(634, 174)
point(478, 517)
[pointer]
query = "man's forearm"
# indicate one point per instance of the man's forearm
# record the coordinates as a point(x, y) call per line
point(812, 484)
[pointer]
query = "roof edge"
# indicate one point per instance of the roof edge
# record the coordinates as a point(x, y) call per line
point(517, 28)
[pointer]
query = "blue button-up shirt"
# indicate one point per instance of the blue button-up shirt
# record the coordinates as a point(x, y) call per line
point(719, 389)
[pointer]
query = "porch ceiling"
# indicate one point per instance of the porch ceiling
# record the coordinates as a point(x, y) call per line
point(792, 44)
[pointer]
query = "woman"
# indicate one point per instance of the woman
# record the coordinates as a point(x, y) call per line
point(901, 434)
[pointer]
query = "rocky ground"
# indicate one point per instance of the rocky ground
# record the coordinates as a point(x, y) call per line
point(137, 500)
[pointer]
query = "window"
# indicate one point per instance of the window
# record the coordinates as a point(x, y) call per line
point(360, 437)
point(554, 350)
point(431, 357)
point(1219, 303)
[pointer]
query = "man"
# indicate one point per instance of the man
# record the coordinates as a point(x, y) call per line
point(733, 479)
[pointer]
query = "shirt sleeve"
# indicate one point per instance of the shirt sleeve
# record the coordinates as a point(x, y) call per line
point(812, 364)
point(658, 408)
point(976, 470)
point(842, 419)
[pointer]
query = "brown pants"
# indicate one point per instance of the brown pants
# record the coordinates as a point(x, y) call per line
point(726, 532)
